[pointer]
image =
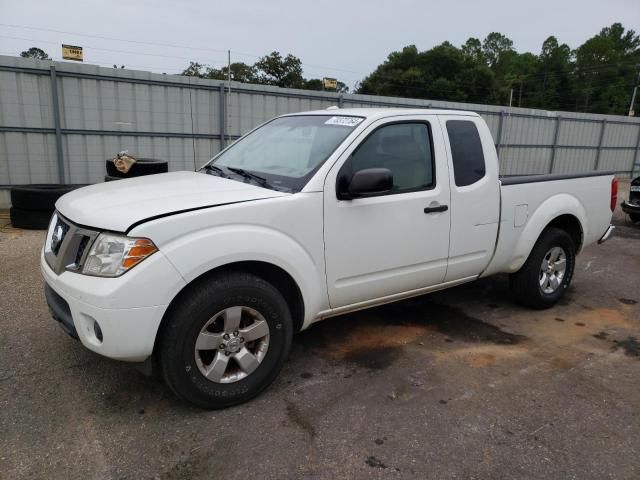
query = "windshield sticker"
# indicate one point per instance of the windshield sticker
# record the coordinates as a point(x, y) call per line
point(344, 121)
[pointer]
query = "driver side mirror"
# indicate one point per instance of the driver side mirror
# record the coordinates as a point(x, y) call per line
point(370, 181)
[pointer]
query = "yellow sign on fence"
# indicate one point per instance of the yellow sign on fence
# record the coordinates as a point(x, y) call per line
point(71, 52)
point(330, 83)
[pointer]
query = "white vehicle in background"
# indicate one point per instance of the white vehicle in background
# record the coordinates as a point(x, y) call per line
point(208, 274)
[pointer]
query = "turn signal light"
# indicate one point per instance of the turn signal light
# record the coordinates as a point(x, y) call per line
point(141, 249)
point(614, 193)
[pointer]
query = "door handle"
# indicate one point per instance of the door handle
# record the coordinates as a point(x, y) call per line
point(438, 209)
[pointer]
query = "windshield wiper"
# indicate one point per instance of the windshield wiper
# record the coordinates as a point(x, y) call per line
point(243, 173)
point(218, 171)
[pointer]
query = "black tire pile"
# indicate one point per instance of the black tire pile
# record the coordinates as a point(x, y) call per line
point(33, 205)
point(143, 166)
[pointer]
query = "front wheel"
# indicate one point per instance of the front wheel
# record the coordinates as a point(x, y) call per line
point(225, 340)
point(547, 273)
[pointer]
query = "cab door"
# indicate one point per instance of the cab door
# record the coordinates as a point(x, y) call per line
point(475, 195)
point(395, 242)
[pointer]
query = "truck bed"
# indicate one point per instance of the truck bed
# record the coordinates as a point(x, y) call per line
point(530, 202)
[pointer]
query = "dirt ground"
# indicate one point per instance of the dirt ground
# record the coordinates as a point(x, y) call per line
point(461, 384)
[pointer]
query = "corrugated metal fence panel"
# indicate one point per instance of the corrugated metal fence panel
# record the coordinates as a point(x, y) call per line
point(528, 131)
point(27, 158)
point(620, 136)
point(616, 160)
point(85, 155)
point(25, 100)
point(524, 161)
point(183, 119)
point(574, 132)
point(574, 160)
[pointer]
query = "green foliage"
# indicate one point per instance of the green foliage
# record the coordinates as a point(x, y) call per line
point(240, 72)
point(596, 77)
point(606, 68)
point(35, 52)
point(272, 69)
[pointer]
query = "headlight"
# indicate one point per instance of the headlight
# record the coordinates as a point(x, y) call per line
point(112, 255)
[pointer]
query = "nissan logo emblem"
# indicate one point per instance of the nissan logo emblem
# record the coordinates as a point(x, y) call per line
point(56, 237)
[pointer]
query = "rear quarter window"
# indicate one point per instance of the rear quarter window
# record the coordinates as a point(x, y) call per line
point(466, 152)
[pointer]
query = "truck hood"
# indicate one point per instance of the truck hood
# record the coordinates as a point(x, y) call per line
point(118, 205)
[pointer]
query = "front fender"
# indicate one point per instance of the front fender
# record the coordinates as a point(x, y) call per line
point(202, 251)
point(539, 219)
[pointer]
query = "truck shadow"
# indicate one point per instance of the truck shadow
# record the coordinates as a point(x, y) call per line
point(375, 338)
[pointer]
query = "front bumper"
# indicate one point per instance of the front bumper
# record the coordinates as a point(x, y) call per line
point(628, 207)
point(128, 309)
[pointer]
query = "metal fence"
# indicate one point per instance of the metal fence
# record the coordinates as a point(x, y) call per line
point(59, 122)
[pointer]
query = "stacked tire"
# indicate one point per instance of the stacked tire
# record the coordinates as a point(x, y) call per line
point(142, 167)
point(33, 205)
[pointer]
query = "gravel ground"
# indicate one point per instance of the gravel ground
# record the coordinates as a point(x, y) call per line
point(457, 384)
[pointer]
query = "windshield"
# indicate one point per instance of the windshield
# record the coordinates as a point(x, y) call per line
point(284, 153)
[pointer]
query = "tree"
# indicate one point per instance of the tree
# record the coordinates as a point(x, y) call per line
point(606, 67)
point(35, 52)
point(194, 69)
point(495, 46)
point(518, 75)
point(596, 77)
point(273, 69)
point(472, 51)
point(241, 72)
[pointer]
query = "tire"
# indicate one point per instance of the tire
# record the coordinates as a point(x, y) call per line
point(526, 285)
point(109, 178)
point(30, 219)
point(183, 366)
point(37, 196)
point(143, 166)
point(635, 217)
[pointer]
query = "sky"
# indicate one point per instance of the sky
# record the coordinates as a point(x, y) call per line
point(342, 39)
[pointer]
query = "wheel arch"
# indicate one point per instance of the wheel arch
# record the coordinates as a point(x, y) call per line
point(570, 224)
point(275, 275)
point(562, 211)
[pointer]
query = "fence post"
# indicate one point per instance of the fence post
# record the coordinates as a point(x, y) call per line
point(223, 118)
point(499, 139)
point(602, 129)
point(56, 123)
point(555, 143)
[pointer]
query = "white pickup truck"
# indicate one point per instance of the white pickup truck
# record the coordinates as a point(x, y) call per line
point(207, 275)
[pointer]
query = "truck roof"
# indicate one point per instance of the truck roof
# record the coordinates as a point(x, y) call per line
point(383, 112)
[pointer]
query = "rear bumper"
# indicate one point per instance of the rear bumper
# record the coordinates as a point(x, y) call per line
point(630, 207)
point(606, 234)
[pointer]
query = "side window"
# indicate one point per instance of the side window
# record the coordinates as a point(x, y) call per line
point(466, 152)
point(403, 148)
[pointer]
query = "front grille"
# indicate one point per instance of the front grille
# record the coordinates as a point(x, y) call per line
point(67, 244)
point(60, 230)
point(81, 248)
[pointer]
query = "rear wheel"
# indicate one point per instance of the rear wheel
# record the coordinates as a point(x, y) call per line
point(547, 273)
point(225, 340)
point(635, 217)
